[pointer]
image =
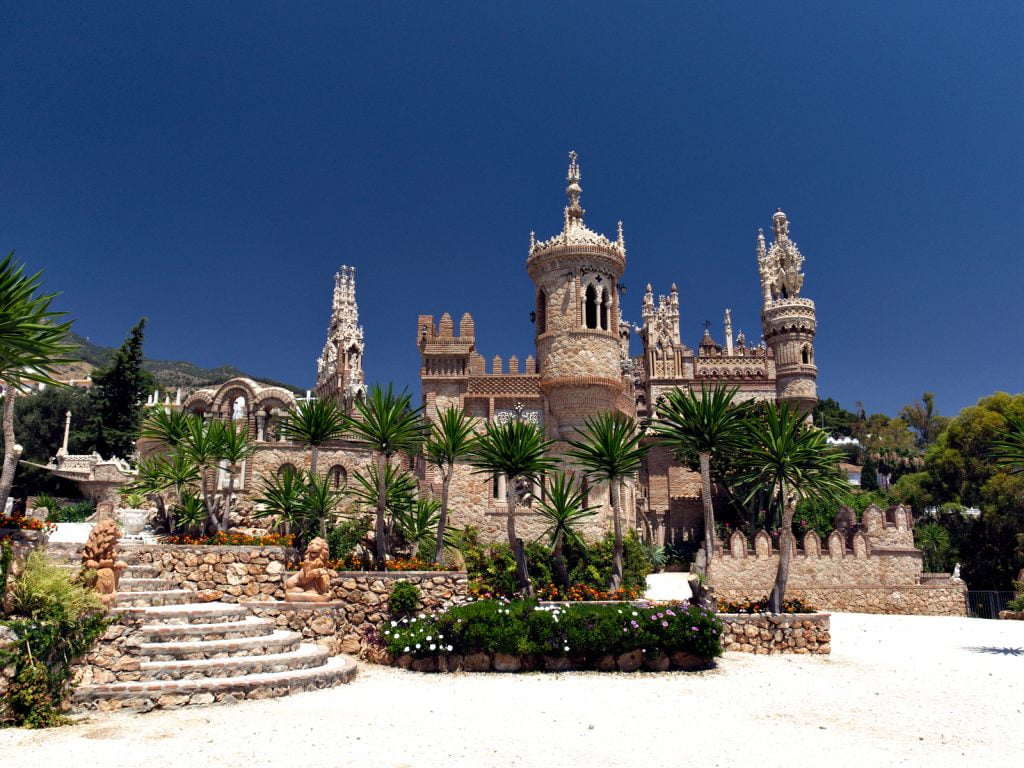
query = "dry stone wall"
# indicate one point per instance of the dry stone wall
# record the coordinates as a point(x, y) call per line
point(767, 634)
point(241, 573)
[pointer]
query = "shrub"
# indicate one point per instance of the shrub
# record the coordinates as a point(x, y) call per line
point(578, 630)
point(1017, 603)
point(76, 512)
point(233, 539)
point(405, 596)
point(793, 605)
point(56, 620)
point(44, 500)
point(346, 536)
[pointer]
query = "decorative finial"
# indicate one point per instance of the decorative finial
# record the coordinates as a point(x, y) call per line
point(573, 189)
point(674, 289)
point(780, 224)
point(533, 240)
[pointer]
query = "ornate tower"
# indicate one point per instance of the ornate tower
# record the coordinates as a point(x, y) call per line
point(787, 319)
point(575, 276)
point(339, 369)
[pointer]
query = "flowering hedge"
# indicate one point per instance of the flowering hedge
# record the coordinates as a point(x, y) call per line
point(354, 563)
point(230, 539)
point(577, 630)
point(794, 605)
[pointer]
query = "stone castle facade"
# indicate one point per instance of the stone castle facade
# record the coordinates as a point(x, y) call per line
point(583, 366)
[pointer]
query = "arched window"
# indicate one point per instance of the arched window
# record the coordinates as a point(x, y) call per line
point(590, 307)
point(605, 309)
point(542, 311)
point(286, 468)
point(805, 355)
point(338, 476)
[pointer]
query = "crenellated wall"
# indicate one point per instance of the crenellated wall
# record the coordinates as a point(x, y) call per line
point(871, 568)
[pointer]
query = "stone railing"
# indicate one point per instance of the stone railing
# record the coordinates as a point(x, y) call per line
point(241, 573)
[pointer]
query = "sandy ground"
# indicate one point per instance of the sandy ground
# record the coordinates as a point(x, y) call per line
point(915, 691)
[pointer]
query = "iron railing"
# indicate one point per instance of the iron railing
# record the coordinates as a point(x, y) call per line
point(986, 604)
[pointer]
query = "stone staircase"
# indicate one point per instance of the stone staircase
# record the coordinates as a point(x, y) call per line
point(168, 652)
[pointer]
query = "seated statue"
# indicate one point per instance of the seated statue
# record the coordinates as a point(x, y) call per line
point(312, 584)
point(99, 555)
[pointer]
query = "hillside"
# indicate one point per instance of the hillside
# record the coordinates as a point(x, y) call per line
point(171, 374)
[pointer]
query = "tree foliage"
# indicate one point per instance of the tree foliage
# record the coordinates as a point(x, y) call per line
point(119, 391)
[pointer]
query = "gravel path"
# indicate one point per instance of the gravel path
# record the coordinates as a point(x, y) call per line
point(897, 690)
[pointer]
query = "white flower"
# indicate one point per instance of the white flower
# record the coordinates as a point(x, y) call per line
point(406, 649)
point(429, 638)
point(417, 645)
point(449, 648)
point(421, 616)
point(440, 637)
point(394, 623)
point(432, 646)
point(566, 648)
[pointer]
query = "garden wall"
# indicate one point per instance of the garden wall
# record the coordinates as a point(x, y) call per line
point(868, 568)
point(360, 605)
point(785, 633)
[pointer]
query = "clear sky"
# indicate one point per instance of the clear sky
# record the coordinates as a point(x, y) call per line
point(211, 165)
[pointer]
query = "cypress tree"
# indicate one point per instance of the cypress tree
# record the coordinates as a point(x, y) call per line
point(869, 476)
point(119, 390)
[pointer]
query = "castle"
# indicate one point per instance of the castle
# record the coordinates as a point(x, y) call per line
point(583, 366)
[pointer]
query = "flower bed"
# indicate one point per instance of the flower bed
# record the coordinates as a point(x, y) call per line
point(22, 523)
point(402, 564)
point(761, 606)
point(506, 635)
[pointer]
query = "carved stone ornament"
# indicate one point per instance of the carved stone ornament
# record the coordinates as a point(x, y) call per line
point(312, 584)
point(100, 555)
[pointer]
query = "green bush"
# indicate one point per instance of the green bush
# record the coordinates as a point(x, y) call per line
point(405, 596)
point(1017, 603)
point(577, 630)
point(75, 512)
point(51, 503)
point(346, 536)
point(55, 620)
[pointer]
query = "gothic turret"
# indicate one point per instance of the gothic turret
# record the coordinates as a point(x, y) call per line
point(788, 319)
point(575, 276)
point(339, 369)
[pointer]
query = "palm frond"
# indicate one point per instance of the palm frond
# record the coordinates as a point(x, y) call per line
point(386, 422)
point(609, 447)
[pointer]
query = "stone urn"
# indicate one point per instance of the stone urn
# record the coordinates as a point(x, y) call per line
point(132, 521)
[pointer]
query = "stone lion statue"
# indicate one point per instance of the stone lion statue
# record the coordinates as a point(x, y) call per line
point(99, 554)
point(312, 584)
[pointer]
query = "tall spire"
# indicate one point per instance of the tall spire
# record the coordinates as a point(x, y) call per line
point(573, 189)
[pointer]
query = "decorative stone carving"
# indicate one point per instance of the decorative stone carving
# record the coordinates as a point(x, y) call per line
point(100, 555)
point(312, 584)
point(836, 546)
point(738, 544)
point(762, 545)
point(812, 544)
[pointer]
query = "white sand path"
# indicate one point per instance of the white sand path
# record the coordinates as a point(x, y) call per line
point(910, 691)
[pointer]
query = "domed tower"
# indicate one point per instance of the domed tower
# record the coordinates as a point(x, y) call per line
point(575, 276)
point(788, 319)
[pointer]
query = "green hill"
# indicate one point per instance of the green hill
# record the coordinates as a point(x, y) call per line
point(171, 374)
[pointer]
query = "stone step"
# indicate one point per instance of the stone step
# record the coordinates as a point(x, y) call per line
point(191, 613)
point(250, 626)
point(166, 694)
point(140, 572)
point(154, 598)
point(144, 585)
point(303, 656)
point(278, 641)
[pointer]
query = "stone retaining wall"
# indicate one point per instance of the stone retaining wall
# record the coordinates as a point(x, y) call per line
point(922, 599)
point(768, 634)
point(242, 573)
point(7, 641)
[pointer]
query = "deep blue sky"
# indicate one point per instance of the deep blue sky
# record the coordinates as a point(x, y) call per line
point(210, 165)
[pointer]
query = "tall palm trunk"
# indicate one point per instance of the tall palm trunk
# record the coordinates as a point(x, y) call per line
point(785, 553)
point(616, 584)
point(709, 511)
point(518, 550)
point(380, 531)
point(313, 456)
point(11, 455)
point(225, 518)
point(561, 572)
point(442, 521)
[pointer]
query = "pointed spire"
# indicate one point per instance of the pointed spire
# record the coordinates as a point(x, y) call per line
point(573, 189)
point(780, 224)
point(533, 240)
point(622, 240)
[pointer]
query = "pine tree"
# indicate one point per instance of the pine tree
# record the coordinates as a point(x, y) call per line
point(119, 391)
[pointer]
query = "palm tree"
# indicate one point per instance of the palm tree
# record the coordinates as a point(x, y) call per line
point(312, 424)
point(934, 541)
point(705, 427)
point(31, 343)
point(283, 495)
point(564, 507)
point(167, 427)
point(791, 460)
point(319, 501)
point(517, 450)
point(451, 438)
point(234, 448)
point(609, 451)
point(201, 447)
point(1008, 447)
point(388, 424)
point(418, 523)
point(157, 474)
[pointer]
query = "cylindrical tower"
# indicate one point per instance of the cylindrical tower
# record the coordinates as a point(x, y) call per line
point(575, 276)
point(788, 320)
